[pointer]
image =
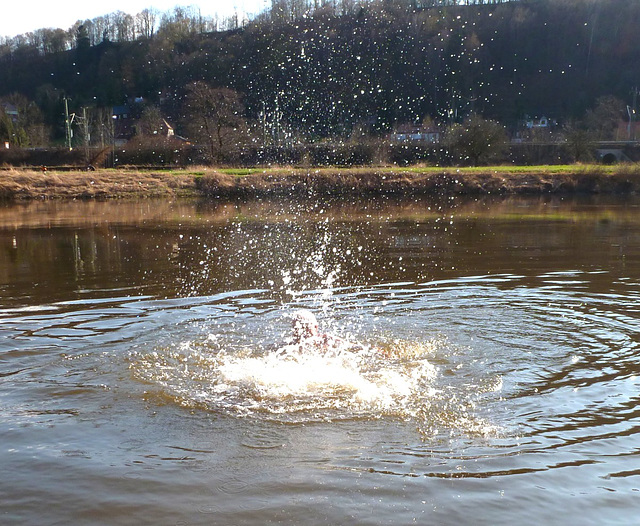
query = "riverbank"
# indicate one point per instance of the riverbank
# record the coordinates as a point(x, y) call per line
point(18, 184)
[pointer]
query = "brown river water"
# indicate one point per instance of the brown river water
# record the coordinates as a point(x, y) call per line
point(147, 376)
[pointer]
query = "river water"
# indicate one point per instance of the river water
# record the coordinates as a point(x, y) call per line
point(145, 376)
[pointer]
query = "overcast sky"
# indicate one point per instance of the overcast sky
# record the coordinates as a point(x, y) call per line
point(21, 16)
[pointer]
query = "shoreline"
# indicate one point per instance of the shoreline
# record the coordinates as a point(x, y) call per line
point(205, 182)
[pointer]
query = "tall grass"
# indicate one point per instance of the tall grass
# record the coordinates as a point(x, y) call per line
point(286, 180)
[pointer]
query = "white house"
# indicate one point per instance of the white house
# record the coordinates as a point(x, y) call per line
point(416, 133)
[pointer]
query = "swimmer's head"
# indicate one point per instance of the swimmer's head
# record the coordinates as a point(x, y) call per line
point(305, 325)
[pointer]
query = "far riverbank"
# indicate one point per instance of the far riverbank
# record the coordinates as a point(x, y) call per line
point(17, 184)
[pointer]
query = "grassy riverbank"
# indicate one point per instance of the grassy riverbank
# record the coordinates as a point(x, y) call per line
point(16, 184)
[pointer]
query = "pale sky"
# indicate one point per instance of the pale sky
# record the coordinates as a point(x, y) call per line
point(21, 16)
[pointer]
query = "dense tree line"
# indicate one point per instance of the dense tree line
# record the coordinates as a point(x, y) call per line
point(306, 70)
point(124, 27)
point(114, 27)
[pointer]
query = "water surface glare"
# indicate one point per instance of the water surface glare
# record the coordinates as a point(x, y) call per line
point(487, 369)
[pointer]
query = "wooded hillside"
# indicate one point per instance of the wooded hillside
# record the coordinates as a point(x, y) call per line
point(313, 70)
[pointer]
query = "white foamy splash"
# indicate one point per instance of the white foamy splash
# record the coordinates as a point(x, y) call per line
point(295, 383)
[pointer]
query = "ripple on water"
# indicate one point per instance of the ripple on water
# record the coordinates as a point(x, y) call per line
point(486, 356)
point(264, 439)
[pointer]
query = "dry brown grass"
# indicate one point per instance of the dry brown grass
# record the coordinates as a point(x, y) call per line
point(25, 184)
point(253, 182)
point(424, 180)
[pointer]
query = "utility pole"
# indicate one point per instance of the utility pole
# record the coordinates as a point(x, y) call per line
point(277, 123)
point(263, 119)
point(83, 122)
point(85, 128)
point(67, 123)
point(632, 115)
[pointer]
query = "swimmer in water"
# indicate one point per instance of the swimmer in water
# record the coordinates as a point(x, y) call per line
point(306, 333)
point(305, 326)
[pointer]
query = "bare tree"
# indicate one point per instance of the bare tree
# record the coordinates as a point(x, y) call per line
point(151, 122)
point(100, 29)
point(604, 118)
point(579, 141)
point(213, 116)
point(124, 26)
point(146, 23)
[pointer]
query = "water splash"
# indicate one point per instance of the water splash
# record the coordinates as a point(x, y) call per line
point(301, 383)
point(311, 262)
point(291, 259)
point(293, 383)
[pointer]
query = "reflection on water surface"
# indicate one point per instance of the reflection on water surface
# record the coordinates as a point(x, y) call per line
point(143, 378)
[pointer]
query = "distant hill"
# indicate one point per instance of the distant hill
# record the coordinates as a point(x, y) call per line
point(369, 66)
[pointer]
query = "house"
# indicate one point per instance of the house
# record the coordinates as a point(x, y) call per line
point(121, 112)
point(123, 124)
point(538, 122)
point(130, 120)
point(416, 133)
point(10, 110)
point(534, 129)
